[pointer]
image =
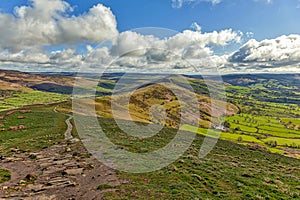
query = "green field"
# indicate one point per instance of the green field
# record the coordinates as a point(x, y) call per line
point(43, 127)
point(29, 97)
point(261, 130)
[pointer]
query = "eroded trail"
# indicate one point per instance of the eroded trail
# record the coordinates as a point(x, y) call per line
point(63, 171)
point(68, 133)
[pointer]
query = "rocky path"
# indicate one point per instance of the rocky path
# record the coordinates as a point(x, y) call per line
point(68, 133)
point(63, 171)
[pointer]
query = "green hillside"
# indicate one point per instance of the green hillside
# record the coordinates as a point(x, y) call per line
point(257, 156)
point(230, 171)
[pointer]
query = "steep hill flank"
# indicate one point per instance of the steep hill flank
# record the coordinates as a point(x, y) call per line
point(159, 97)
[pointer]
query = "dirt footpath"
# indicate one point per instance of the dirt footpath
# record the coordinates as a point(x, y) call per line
point(63, 171)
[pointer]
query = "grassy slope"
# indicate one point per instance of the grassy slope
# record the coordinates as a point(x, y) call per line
point(29, 97)
point(230, 171)
point(15, 89)
point(144, 98)
point(43, 127)
point(260, 122)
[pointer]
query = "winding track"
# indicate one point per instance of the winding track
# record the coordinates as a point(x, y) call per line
point(68, 133)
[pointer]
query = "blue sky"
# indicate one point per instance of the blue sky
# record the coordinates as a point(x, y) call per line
point(46, 34)
point(265, 20)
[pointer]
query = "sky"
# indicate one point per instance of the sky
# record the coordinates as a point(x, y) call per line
point(192, 36)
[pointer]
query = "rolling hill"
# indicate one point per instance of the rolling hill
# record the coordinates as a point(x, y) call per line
point(257, 156)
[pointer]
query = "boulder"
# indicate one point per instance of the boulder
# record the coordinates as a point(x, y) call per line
point(22, 117)
point(11, 112)
point(21, 127)
point(13, 128)
point(31, 177)
point(73, 171)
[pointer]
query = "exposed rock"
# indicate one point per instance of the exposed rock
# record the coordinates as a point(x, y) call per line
point(45, 165)
point(4, 187)
point(42, 197)
point(59, 185)
point(11, 112)
point(52, 170)
point(15, 150)
point(73, 171)
point(13, 128)
point(68, 149)
point(11, 159)
point(35, 187)
point(59, 181)
point(74, 140)
point(22, 117)
point(61, 162)
point(21, 127)
point(46, 159)
point(70, 165)
point(30, 177)
point(37, 175)
point(197, 177)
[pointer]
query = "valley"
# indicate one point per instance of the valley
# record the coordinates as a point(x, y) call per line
point(257, 156)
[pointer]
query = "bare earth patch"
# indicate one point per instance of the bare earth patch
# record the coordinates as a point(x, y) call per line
point(63, 171)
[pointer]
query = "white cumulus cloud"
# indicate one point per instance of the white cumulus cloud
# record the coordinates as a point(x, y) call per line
point(46, 22)
point(147, 52)
point(25, 33)
point(283, 48)
point(270, 55)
